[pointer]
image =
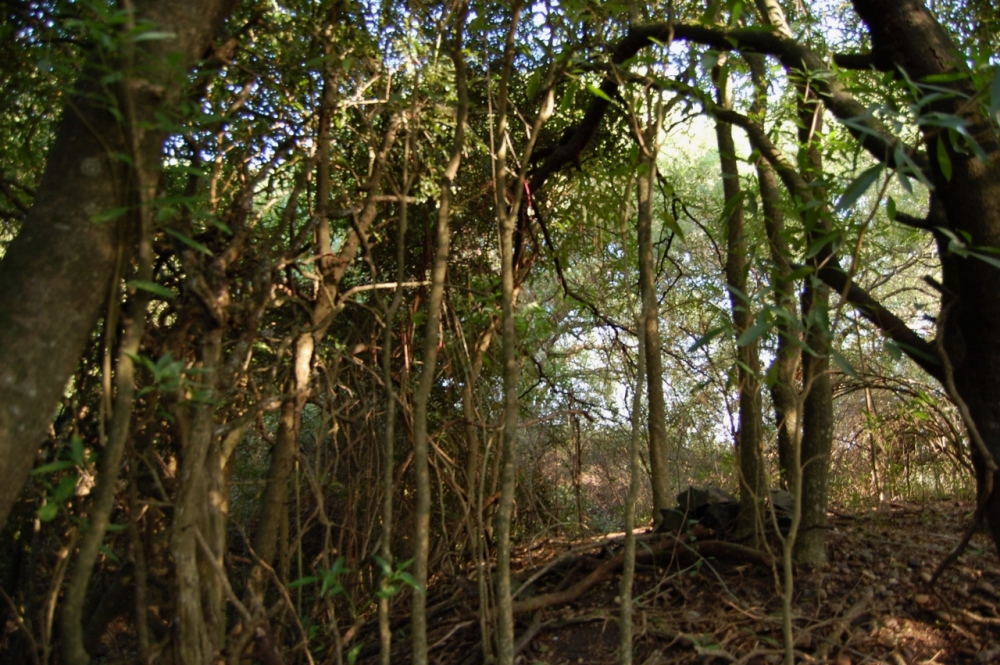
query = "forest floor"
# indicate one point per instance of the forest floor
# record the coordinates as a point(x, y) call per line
point(870, 604)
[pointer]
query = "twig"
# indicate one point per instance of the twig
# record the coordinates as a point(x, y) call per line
point(23, 627)
point(223, 578)
point(991, 467)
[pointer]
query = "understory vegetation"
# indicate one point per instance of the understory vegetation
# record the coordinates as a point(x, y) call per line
point(323, 324)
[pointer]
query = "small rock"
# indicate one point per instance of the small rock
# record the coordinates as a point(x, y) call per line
point(887, 640)
point(864, 555)
point(691, 615)
point(942, 615)
point(962, 590)
point(844, 659)
point(985, 587)
point(925, 576)
point(913, 563)
point(922, 599)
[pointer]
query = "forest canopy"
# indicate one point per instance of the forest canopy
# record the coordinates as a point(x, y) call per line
point(308, 305)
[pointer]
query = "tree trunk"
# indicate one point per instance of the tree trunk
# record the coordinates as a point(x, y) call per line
point(817, 406)
point(658, 468)
point(786, 358)
point(200, 619)
point(906, 36)
point(421, 397)
point(748, 439)
point(55, 276)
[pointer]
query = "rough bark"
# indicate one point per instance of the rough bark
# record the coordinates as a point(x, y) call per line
point(199, 618)
point(906, 36)
point(817, 405)
point(55, 276)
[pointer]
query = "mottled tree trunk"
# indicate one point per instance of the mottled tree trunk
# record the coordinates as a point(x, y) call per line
point(55, 276)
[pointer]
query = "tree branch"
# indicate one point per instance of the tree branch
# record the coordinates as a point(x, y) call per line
point(913, 345)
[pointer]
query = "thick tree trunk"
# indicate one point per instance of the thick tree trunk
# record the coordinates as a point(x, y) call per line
point(906, 36)
point(55, 276)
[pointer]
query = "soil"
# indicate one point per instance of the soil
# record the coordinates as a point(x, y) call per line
point(870, 604)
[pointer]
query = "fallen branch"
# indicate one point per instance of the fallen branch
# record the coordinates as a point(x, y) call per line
point(709, 548)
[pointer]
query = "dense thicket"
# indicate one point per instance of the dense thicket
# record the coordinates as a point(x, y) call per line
point(305, 306)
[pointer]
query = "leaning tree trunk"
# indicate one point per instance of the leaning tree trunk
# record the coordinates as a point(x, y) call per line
point(56, 275)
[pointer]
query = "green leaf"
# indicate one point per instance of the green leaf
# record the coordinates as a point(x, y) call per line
point(303, 581)
point(944, 161)
point(65, 489)
point(859, 186)
point(890, 209)
point(154, 35)
point(109, 215)
point(706, 338)
point(844, 365)
point(52, 467)
point(408, 579)
point(48, 512)
point(108, 553)
point(152, 287)
point(190, 242)
point(753, 333)
point(76, 450)
point(597, 92)
point(985, 258)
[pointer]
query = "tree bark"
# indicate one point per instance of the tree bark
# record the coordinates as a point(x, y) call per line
point(817, 405)
point(55, 276)
point(422, 513)
point(786, 358)
point(906, 36)
point(749, 438)
point(658, 469)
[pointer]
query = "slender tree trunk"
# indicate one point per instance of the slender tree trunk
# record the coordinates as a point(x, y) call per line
point(389, 448)
point(658, 467)
point(511, 370)
point(628, 565)
point(74, 653)
point(817, 406)
point(748, 443)
point(786, 358)
point(422, 513)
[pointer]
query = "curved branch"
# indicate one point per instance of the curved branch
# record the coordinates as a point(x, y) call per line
point(797, 59)
point(913, 345)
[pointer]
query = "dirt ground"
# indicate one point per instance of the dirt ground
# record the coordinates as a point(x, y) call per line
point(870, 604)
